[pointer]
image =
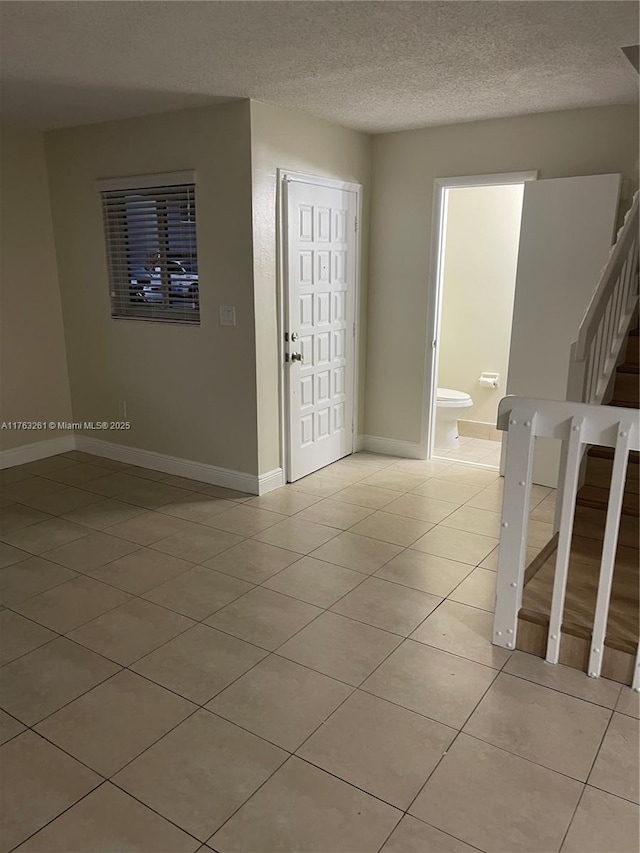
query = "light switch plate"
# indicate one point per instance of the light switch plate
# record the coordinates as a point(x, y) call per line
point(227, 315)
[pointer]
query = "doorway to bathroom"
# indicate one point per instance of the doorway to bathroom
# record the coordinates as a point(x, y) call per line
point(476, 239)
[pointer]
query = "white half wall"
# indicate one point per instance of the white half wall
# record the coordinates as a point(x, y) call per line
point(568, 226)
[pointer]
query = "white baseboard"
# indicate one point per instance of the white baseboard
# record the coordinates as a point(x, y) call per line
point(238, 480)
point(393, 447)
point(225, 477)
point(36, 450)
point(270, 481)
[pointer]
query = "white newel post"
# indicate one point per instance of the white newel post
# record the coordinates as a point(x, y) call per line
point(513, 533)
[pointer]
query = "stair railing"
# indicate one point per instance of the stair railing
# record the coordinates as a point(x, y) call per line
point(603, 330)
point(576, 425)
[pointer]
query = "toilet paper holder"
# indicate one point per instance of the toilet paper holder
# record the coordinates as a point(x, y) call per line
point(489, 380)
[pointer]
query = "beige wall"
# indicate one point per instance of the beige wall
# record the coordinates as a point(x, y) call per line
point(190, 391)
point(34, 384)
point(289, 139)
point(568, 143)
point(479, 279)
point(210, 393)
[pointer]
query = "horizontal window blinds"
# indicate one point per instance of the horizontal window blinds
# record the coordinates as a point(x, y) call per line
point(152, 252)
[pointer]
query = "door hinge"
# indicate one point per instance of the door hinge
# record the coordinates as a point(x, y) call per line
point(357, 224)
point(354, 330)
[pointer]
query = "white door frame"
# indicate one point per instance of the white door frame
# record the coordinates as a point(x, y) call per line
point(284, 176)
point(434, 293)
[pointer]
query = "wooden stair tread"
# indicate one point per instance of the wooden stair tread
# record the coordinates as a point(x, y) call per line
point(582, 586)
point(597, 452)
point(628, 367)
point(625, 389)
point(623, 624)
point(624, 404)
point(598, 473)
point(597, 497)
point(585, 550)
point(602, 479)
point(541, 558)
point(611, 641)
point(632, 352)
point(589, 522)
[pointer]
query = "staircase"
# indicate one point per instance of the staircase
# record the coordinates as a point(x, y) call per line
point(577, 602)
point(594, 494)
point(585, 555)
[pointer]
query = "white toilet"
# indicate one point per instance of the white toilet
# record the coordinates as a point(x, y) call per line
point(450, 405)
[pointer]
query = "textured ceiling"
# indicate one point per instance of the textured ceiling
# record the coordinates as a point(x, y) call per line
point(373, 66)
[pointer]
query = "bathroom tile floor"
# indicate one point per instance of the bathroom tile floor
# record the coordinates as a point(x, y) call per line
point(480, 451)
point(187, 668)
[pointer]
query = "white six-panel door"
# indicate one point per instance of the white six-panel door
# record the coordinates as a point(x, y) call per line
point(319, 296)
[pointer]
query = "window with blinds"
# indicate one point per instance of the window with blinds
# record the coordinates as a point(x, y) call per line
point(152, 256)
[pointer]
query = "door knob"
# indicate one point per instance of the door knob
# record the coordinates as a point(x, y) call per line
point(294, 336)
point(296, 356)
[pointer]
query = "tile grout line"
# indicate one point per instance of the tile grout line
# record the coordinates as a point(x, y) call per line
point(353, 689)
point(93, 790)
point(572, 818)
point(426, 823)
point(274, 652)
point(448, 749)
point(294, 754)
point(611, 794)
point(328, 609)
point(44, 825)
point(269, 651)
point(602, 740)
point(522, 757)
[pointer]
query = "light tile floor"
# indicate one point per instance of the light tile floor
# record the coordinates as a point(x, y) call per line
point(187, 668)
point(481, 451)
